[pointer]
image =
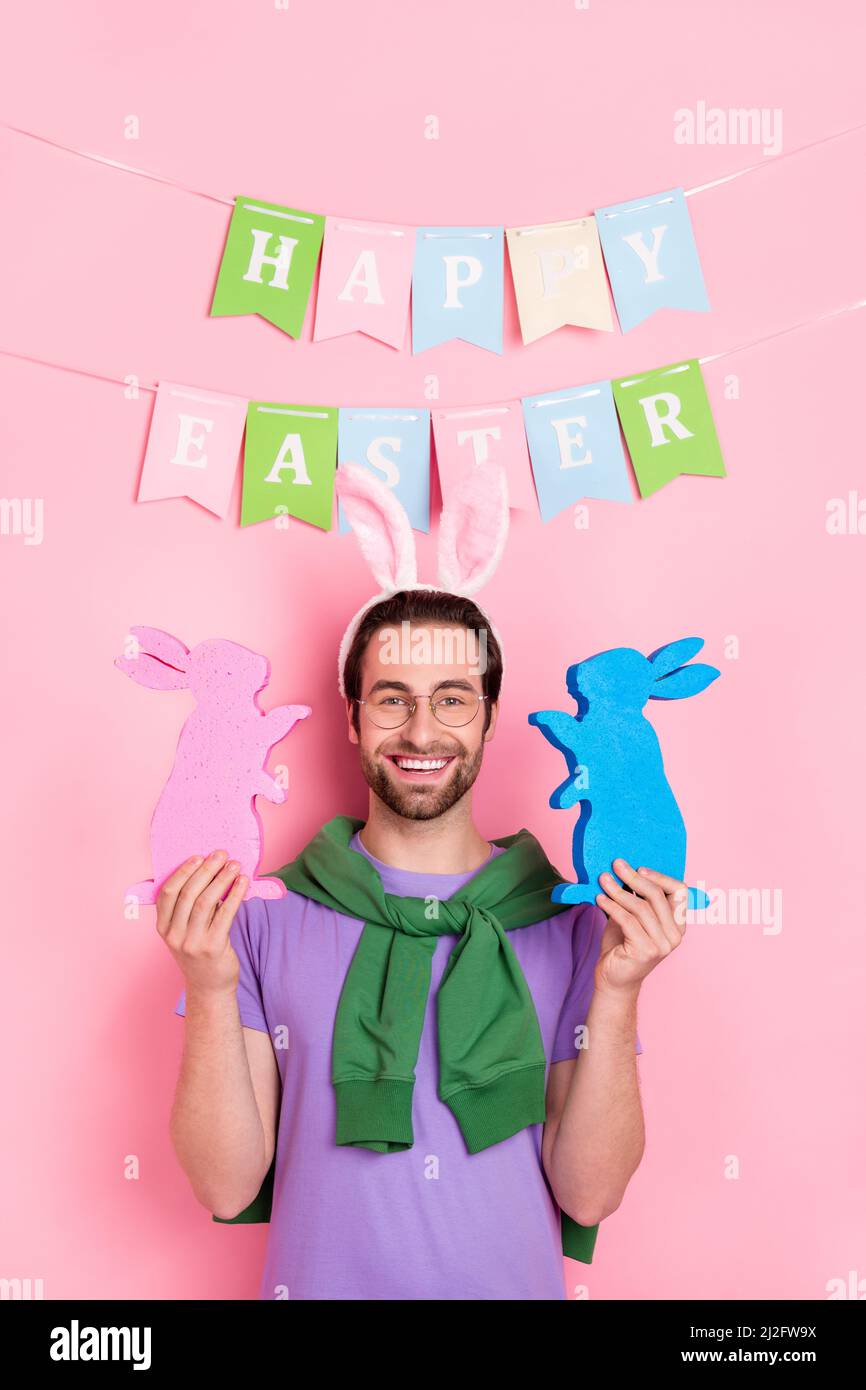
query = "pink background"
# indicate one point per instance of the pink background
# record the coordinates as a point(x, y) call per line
point(751, 1044)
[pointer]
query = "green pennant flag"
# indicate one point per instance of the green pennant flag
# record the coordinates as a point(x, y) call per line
point(668, 425)
point(268, 264)
point(290, 458)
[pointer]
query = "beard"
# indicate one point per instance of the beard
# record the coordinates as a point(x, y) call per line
point(418, 802)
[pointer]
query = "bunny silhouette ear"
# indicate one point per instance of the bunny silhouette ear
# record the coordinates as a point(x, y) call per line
point(473, 529)
point(673, 679)
point(379, 520)
point(674, 654)
point(688, 680)
point(162, 661)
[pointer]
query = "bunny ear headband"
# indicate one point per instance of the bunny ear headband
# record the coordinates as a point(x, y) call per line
point(472, 532)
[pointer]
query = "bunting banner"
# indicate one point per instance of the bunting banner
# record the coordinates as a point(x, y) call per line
point(571, 439)
point(271, 253)
point(470, 435)
point(668, 425)
point(193, 446)
point(555, 448)
point(268, 264)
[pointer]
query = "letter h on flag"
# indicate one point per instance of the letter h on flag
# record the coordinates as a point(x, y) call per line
point(268, 264)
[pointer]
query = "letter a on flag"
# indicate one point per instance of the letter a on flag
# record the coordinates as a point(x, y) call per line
point(268, 264)
point(668, 425)
point(290, 458)
point(365, 280)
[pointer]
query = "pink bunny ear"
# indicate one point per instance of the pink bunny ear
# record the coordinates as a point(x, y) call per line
point(379, 520)
point(162, 661)
point(473, 529)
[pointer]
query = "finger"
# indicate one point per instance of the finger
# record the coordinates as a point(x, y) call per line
point(167, 895)
point(676, 891)
point(636, 904)
point(655, 895)
point(208, 902)
point(632, 930)
point(225, 914)
point(640, 943)
point(186, 897)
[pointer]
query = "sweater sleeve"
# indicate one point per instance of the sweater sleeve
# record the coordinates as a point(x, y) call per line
point(249, 937)
point(587, 931)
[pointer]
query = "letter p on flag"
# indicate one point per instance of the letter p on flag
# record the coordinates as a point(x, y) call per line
point(668, 425)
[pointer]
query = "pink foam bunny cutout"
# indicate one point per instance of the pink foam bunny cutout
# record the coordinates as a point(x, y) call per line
point(473, 529)
point(208, 802)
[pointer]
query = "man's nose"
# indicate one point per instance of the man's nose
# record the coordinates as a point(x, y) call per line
point(422, 720)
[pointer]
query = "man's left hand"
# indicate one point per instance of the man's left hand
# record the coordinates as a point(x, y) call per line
point(643, 926)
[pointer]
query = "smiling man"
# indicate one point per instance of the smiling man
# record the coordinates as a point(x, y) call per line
point(430, 1060)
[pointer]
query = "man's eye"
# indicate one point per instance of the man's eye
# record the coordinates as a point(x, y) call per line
point(392, 700)
point(452, 700)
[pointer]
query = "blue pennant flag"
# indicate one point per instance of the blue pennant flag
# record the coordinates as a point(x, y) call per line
point(651, 256)
point(393, 442)
point(457, 286)
point(575, 447)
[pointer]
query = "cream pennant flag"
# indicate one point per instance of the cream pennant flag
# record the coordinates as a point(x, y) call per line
point(559, 277)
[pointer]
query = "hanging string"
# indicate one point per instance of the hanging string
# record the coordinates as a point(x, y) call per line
point(216, 198)
point(782, 332)
point(712, 357)
point(116, 164)
point(789, 154)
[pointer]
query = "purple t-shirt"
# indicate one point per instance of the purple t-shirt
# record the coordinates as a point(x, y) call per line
point(433, 1221)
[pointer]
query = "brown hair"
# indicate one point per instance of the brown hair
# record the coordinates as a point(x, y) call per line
point(422, 606)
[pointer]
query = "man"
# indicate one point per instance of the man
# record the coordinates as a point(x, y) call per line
point(390, 1182)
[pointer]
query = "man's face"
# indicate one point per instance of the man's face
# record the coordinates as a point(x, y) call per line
point(437, 659)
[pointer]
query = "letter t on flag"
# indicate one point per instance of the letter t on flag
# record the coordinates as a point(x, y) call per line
point(193, 446)
point(268, 264)
point(668, 425)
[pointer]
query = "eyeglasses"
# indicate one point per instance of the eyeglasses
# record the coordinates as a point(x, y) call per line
point(389, 711)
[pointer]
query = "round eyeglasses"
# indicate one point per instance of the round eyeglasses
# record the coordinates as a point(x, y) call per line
point(389, 711)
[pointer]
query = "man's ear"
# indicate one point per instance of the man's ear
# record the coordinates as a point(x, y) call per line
point(353, 733)
point(491, 728)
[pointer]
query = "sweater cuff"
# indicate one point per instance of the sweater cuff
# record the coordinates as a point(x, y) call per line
point(375, 1114)
point(578, 1242)
point(490, 1113)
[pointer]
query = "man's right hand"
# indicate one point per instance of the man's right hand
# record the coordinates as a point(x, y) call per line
point(194, 911)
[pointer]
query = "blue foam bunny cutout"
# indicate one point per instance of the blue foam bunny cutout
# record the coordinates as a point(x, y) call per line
point(615, 770)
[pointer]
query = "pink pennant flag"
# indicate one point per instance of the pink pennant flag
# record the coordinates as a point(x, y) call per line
point(193, 446)
point(469, 435)
point(365, 279)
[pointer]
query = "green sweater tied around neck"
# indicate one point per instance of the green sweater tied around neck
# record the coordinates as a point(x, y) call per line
point(492, 1063)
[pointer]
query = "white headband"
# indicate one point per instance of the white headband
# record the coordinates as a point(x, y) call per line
point(473, 529)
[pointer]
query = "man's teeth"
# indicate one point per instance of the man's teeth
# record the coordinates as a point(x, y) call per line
point(421, 764)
